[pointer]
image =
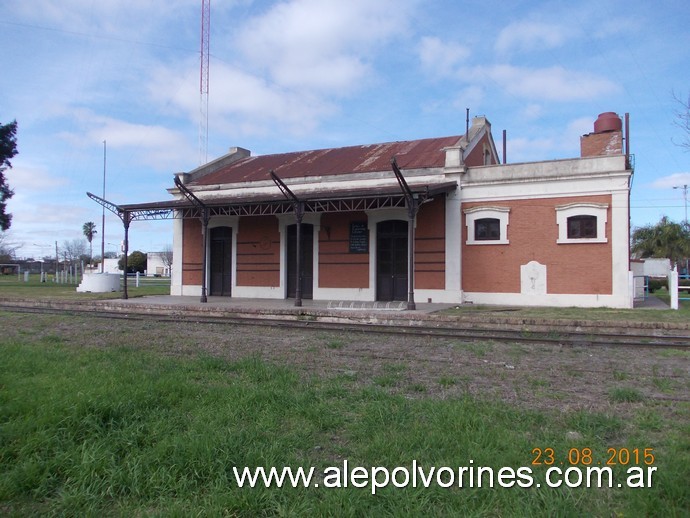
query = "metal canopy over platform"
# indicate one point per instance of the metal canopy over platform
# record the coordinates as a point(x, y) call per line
point(400, 195)
point(275, 203)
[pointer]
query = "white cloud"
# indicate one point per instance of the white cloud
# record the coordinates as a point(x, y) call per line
point(28, 177)
point(122, 18)
point(467, 97)
point(532, 111)
point(671, 181)
point(560, 143)
point(578, 127)
point(527, 36)
point(556, 83)
point(526, 149)
point(553, 83)
point(153, 145)
point(440, 57)
point(241, 103)
point(324, 46)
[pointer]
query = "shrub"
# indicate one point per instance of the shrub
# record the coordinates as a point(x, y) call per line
point(657, 284)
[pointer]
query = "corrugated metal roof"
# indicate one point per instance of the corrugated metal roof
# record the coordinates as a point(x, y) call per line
point(413, 154)
point(432, 189)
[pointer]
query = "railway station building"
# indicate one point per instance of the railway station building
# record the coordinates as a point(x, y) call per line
point(430, 220)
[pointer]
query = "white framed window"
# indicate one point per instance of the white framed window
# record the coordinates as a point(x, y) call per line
point(487, 225)
point(582, 222)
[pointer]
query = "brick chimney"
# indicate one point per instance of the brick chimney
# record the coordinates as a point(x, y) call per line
point(607, 138)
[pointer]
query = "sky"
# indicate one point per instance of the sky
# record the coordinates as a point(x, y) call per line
point(112, 86)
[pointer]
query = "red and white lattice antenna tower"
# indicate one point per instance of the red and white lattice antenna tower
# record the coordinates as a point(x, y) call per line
point(203, 81)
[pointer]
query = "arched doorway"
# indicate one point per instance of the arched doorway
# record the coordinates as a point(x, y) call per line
point(391, 260)
point(221, 261)
point(307, 260)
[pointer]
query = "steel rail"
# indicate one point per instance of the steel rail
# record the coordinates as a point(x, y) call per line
point(553, 337)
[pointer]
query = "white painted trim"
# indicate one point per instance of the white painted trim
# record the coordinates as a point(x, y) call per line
point(453, 235)
point(191, 290)
point(176, 274)
point(554, 300)
point(354, 294)
point(258, 292)
point(598, 210)
point(438, 296)
point(620, 247)
point(502, 214)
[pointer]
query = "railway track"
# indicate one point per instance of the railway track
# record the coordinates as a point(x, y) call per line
point(556, 335)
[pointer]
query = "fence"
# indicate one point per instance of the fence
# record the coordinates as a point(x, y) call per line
point(142, 280)
point(684, 284)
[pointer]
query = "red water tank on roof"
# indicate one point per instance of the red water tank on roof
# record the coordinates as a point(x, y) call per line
point(608, 121)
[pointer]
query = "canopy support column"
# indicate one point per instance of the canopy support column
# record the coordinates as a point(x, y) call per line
point(204, 231)
point(126, 220)
point(413, 203)
point(298, 207)
point(204, 240)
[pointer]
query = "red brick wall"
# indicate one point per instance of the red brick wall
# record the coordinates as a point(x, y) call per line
point(476, 156)
point(338, 268)
point(430, 246)
point(601, 144)
point(192, 252)
point(258, 251)
point(532, 231)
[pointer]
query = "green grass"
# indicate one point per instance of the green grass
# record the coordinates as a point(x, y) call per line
point(12, 288)
point(127, 432)
point(579, 314)
point(625, 395)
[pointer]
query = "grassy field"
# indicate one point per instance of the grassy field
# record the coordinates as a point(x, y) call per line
point(99, 417)
point(11, 287)
point(682, 315)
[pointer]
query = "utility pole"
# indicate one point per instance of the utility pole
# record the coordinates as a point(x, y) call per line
point(685, 197)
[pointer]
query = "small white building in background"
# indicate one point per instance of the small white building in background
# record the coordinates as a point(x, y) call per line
point(154, 263)
point(651, 267)
point(110, 265)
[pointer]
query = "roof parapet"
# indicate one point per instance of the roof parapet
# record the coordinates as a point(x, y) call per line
point(234, 154)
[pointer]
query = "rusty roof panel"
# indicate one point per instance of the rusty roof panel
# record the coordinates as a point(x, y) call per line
point(432, 189)
point(414, 154)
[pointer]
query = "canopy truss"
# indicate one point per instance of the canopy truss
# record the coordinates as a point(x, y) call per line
point(287, 202)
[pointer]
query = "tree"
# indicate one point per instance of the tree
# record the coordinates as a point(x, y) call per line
point(167, 257)
point(136, 262)
point(8, 250)
point(665, 239)
point(89, 230)
point(8, 149)
point(74, 250)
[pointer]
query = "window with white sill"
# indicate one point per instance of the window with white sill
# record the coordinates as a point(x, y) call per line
point(487, 225)
point(582, 223)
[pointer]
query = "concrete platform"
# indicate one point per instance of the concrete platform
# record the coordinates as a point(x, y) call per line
point(650, 302)
point(287, 305)
point(426, 314)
